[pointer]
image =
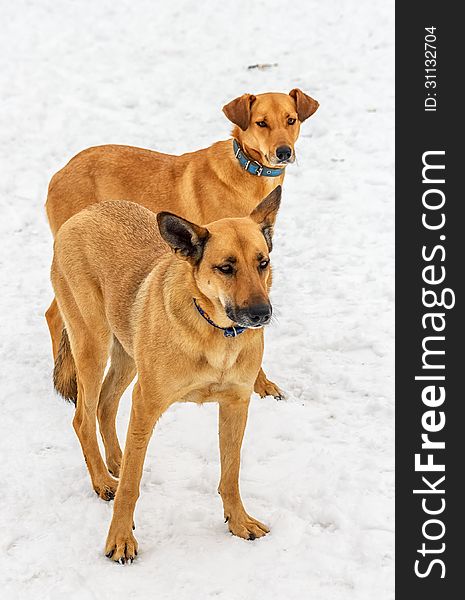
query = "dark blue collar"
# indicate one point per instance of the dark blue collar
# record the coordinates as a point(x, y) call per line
point(253, 166)
point(228, 331)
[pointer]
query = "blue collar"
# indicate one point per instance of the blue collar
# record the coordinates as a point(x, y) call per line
point(253, 166)
point(228, 331)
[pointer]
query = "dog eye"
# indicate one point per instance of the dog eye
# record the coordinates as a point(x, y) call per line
point(262, 124)
point(291, 121)
point(263, 264)
point(226, 269)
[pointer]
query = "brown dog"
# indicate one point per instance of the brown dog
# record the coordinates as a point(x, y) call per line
point(190, 324)
point(200, 186)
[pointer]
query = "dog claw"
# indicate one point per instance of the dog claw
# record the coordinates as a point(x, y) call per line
point(121, 548)
point(106, 492)
point(246, 527)
point(264, 387)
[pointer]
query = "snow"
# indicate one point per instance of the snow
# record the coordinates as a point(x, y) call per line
point(319, 467)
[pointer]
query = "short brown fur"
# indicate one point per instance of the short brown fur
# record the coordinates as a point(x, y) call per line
point(121, 292)
point(200, 186)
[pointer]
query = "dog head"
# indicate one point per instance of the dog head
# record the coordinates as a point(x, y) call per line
point(230, 261)
point(268, 125)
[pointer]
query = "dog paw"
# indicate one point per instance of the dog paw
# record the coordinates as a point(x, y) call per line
point(121, 547)
point(264, 387)
point(114, 467)
point(246, 527)
point(106, 489)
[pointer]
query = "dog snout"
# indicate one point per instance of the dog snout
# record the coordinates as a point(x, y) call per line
point(283, 153)
point(255, 315)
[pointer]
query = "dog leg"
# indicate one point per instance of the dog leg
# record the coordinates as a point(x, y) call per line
point(265, 387)
point(121, 545)
point(233, 419)
point(120, 374)
point(55, 326)
point(90, 352)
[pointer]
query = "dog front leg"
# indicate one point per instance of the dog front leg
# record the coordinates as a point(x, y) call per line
point(233, 419)
point(121, 545)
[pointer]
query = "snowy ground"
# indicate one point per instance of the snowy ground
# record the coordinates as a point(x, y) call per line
point(317, 468)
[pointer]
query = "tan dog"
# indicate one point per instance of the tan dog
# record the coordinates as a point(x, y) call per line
point(121, 291)
point(200, 186)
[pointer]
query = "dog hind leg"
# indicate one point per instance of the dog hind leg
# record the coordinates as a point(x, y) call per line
point(89, 337)
point(120, 374)
point(90, 351)
point(55, 326)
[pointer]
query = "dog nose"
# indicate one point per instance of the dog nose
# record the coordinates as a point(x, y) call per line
point(283, 153)
point(259, 314)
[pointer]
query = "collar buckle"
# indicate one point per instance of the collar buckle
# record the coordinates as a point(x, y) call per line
point(259, 169)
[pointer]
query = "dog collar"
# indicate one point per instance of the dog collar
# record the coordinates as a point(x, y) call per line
point(253, 166)
point(228, 331)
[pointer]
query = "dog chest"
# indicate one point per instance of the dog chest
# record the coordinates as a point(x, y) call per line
point(221, 359)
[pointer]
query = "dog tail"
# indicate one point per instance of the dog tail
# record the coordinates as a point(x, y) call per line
point(64, 373)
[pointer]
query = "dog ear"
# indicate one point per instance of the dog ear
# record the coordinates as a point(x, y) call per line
point(265, 214)
point(305, 105)
point(238, 110)
point(185, 238)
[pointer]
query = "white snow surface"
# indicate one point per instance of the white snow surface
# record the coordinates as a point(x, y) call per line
point(318, 467)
